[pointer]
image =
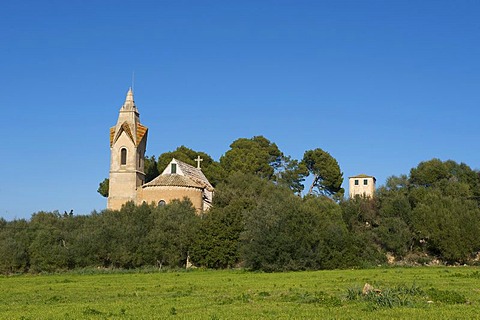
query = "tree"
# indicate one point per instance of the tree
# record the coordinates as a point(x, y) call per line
point(333, 246)
point(448, 226)
point(394, 183)
point(394, 235)
point(14, 243)
point(327, 177)
point(269, 242)
point(285, 232)
point(218, 242)
point(86, 244)
point(428, 173)
point(453, 179)
point(174, 229)
point(124, 233)
point(434, 172)
point(291, 173)
point(49, 248)
point(362, 218)
point(151, 168)
point(103, 188)
point(260, 157)
point(256, 156)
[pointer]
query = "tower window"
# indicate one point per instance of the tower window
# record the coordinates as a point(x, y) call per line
point(123, 156)
point(365, 182)
point(173, 168)
point(356, 182)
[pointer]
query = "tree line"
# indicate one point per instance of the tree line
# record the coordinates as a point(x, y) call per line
point(261, 220)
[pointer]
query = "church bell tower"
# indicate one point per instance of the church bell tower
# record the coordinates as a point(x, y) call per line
point(128, 141)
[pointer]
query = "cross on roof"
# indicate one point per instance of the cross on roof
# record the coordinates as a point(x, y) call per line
point(198, 160)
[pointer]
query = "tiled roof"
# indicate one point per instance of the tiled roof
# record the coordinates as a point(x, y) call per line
point(362, 176)
point(123, 128)
point(173, 180)
point(195, 174)
point(141, 131)
point(112, 135)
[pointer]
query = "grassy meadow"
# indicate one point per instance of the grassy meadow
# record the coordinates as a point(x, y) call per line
point(415, 293)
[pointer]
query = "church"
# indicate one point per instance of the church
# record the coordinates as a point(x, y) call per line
point(179, 180)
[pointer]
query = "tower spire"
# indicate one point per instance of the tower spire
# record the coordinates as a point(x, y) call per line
point(129, 102)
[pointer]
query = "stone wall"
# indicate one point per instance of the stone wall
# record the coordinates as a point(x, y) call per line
point(168, 193)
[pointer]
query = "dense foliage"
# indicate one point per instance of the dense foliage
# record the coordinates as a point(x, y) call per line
point(260, 221)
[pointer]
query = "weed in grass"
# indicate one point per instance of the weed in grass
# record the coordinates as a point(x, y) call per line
point(263, 294)
point(225, 300)
point(54, 299)
point(446, 296)
point(91, 312)
point(414, 290)
point(402, 296)
point(354, 294)
point(473, 275)
point(214, 317)
point(64, 281)
point(245, 297)
point(179, 292)
point(318, 297)
point(388, 299)
point(399, 296)
point(173, 311)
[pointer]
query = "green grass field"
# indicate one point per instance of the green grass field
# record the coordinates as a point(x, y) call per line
point(415, 293)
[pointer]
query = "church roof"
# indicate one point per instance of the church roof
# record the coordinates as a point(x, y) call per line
point(186, 176)
point(193, 173)
point(173, 180)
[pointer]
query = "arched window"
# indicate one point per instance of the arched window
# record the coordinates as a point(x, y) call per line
point(123, 156)
point(162, 203)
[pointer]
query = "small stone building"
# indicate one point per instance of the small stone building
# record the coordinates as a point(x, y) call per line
point(361, 185)
point(128, 141)
point(178, 180)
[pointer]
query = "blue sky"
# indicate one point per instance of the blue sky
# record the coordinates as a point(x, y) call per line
point(381, 85)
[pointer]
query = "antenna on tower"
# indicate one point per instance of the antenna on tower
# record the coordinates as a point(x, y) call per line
point(133, 81)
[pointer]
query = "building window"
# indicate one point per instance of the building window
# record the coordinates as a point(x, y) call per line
point(365, 182)
point(173, 168)
point(161, 203)
point(123, 156)
point(356, 182)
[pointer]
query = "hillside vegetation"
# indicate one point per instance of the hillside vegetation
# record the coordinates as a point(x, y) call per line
point(260, 221)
